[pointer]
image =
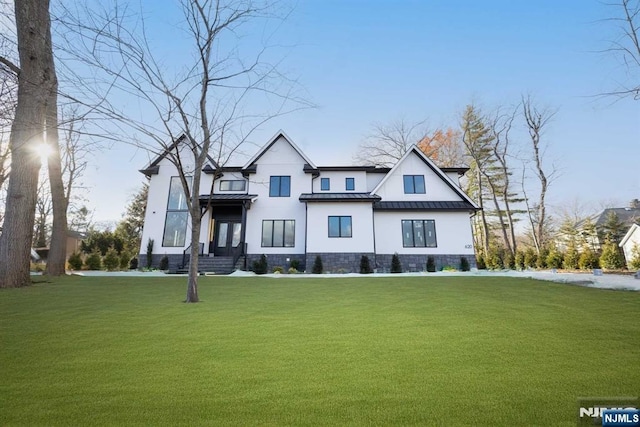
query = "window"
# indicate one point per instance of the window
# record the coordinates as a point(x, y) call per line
point(339, 226)
point(232, 185)
point(280, 186)
point(414, 184)
point(325, 184)
point(350, 184)
point(175, 224)
point(278, 233)
point(419, 233)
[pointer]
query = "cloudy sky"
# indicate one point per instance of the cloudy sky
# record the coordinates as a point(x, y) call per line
point(366, 62)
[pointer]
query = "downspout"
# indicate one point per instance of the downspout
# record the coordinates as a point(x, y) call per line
point(373, 222)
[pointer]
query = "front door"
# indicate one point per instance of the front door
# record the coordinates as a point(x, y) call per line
point(227, 237)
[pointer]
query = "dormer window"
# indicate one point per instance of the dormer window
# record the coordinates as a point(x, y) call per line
point(414, 184)
point(325, 184)
point(280, 186)
point(233, 185)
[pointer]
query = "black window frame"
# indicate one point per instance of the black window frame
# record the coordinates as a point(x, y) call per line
point(413, 184)
point(324, 181)
point(353, 184)
point(182, 210)
point(279, 186)
point(231, 181)
point(284, 233)
point(413, 231)
point(340, 227)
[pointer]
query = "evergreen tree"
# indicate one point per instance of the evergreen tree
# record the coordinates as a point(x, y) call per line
point(611, 257)
point(129, 230)
point(396, 267)
point(634, 262)
point(571, 257)
point(111, 260)
point(365, 265)
point(588, 259)
point(431, 264)
point(612, 230)
point(317, 265)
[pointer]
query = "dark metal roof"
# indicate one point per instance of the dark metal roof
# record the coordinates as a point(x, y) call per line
point(420, 205)
point(626, 216)
point(227, 197)
point(153, 170)
point(338, 197)
point(370, 169)
point(461, 170)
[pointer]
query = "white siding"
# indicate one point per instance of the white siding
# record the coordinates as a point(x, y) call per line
point(631, 241)
point(373, 179)
point(361, 239)
point(280, 160)
point(453, 232)
point(338, 182)
point(436, 188)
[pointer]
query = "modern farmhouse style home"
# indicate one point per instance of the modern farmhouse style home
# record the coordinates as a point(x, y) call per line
point(284, 206)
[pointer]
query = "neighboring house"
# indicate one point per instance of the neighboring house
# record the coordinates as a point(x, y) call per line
point(284, 206)
point(630, 241)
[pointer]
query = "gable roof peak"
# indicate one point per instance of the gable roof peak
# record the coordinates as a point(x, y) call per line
point(267, 146)
point(154, 165)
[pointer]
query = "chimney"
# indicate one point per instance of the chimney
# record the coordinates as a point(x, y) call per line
point(634, 204)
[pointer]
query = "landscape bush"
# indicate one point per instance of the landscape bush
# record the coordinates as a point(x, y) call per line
point(75, 261)
point(519, 260)
point(125, 260)
point(93, 261)
point(260, 266)
point(588, 260)
point(278, 269)
point(541, 260)
point(164, 263)
point(396, 266)
point(634, 263)
point(480, 262)
point(464, 264)
point(431, 264)
point(365, 265)
point(317, 265)
point(611, 257)
point(571, 257)
point(295, 264)
point(111, 260)
point(530, 258)
point(554, 259)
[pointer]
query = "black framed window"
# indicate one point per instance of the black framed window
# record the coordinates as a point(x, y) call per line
point(340, 226)
point(280, 186)
point(278, 233)
point(419, 233)
point(175, 223)
point(325, 184)
point(350, 184)
point(414, 184)
point(233, 185)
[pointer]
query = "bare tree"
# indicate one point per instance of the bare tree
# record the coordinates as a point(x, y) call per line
point(36, 74)
point(387, 143)
point(536, 120)
point(198, 110)
point(627, 45)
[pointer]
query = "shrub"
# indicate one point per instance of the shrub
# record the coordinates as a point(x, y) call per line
point(431, 264)
point(508, 260)
point(295, 264)
point(260, 266)
point(554, 259)
point(588, 260)
point(125, 260)
point(293, 270)
point(365, 265)
point(149, 253)
point(541, 261)
point(164, 263)
point(317, 265)
point(93, 261)
point(278, 269)
point(571, 258)
point(111, 260)
point(530, 258)
point(519, 260)
point(634, 262)
point(480, 262)
point(396, 267)
point(494, 258)
point(464, 264)
point(449, 268)
point(134, 264)
point(611, 257)
point(75, 261)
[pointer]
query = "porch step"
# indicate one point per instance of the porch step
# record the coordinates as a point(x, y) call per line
point(217, 264)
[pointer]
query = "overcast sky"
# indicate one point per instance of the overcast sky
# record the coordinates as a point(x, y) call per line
point(365, 62)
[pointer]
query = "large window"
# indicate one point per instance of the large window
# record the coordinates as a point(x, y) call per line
point(339, 226)
point(280, 186)
point(419, 233)
point(232, 185)
point(414, 184)
point(325, 184)
point(175, 224)
point(278, 233)
point(350, 184)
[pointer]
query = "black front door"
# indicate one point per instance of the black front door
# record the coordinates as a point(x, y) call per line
point(227, 237)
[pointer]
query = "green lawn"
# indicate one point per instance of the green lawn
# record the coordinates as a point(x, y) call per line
point(361, 351)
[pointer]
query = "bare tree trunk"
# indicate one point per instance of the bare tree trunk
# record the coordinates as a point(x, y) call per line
point(34, 80)
point(192, 282)
point(56, 261)
point(483, 217)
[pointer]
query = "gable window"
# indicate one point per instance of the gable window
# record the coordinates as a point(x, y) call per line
point(339, 226)
point(278, 233)
point(325, 184)
point(280, 186)
point(233, 185)
point(175, 224)
point(419, 233)
point(350, 184)
point(414, 184)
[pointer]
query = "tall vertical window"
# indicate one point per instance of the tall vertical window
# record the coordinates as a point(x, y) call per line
point(280, 186)
point(175, 224)
point(278, 233)
point(419, 233)
point(339, 226)
point(325, 184)
point(350, 184)
point(414, 184)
